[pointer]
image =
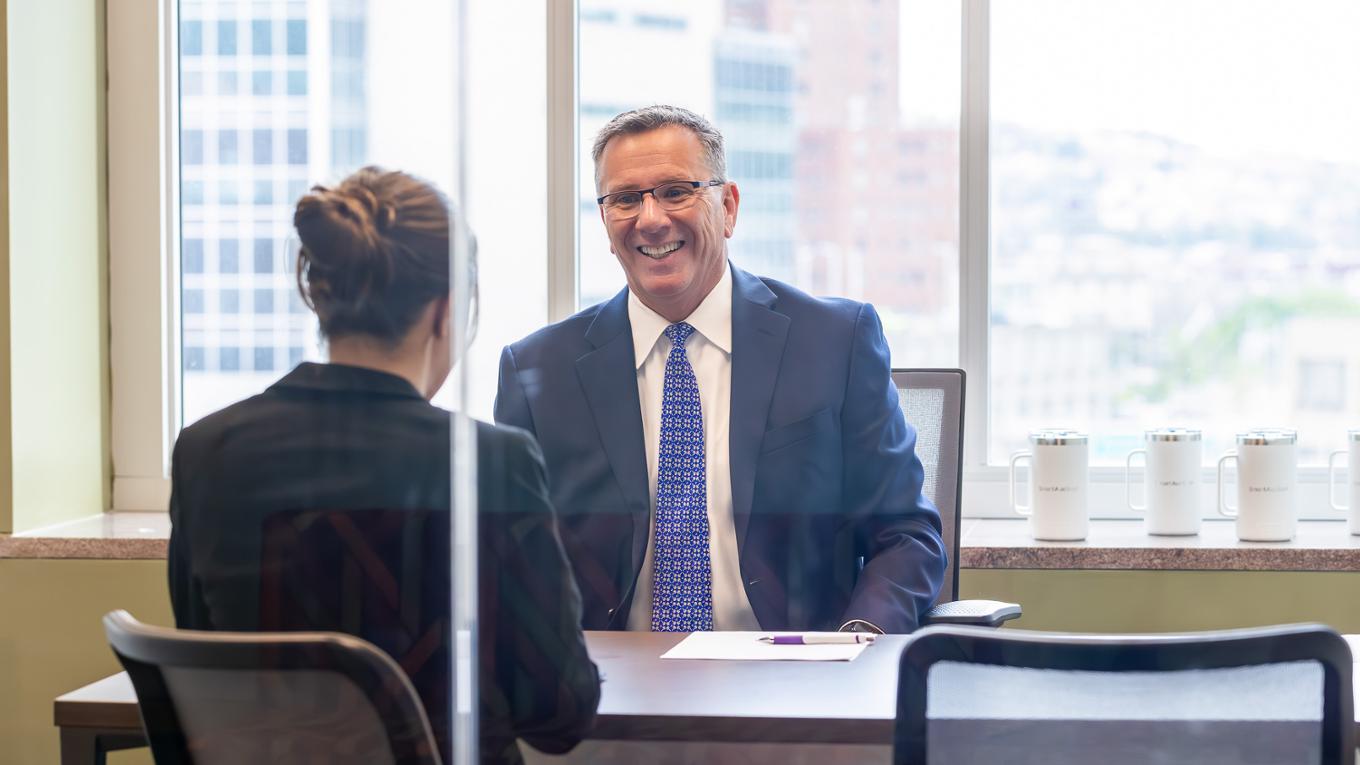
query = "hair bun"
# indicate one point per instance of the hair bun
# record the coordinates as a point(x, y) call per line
point(374, 252)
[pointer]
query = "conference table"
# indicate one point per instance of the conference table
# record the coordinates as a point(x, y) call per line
point(703, 711)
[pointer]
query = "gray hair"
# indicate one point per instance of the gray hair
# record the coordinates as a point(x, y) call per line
point(650, 118)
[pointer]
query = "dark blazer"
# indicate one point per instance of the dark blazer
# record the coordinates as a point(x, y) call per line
point(323, 503)
point(824, 469)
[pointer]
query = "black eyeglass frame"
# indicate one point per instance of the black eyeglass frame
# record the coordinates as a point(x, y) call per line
point(644, 192)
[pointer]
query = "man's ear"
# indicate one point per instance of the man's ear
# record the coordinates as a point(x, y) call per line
point(731, 200)
point(440, 319)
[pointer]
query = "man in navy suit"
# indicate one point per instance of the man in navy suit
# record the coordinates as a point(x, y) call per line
point(724, 450)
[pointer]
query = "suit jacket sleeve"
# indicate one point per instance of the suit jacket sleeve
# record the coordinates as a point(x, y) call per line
point(552, 686)
point(512, 406)
point(895, 527)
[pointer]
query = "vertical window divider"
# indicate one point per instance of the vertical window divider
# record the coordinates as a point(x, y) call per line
point(143, 250)
point(974, 227)
point(562, 179)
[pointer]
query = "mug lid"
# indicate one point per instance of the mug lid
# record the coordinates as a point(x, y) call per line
point(1172, 434)
point(1056, 437)
point(1267, 436)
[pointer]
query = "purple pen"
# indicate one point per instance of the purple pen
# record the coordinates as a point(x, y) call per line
point(839, 638)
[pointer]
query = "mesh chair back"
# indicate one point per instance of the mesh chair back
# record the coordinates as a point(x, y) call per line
point(382, 575)
point(1268, 695)
point(932, 401)
point(220, 697)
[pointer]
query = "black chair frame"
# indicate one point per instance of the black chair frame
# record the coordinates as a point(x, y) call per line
point(1127, 653)
point(143, 649)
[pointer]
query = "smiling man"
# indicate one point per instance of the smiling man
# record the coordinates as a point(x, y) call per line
point(724, 450)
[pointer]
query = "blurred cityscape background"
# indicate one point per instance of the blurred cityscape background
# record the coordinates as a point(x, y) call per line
point(1156, 258)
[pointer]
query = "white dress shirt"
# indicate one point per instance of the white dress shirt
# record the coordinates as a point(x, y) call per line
point(709, 350)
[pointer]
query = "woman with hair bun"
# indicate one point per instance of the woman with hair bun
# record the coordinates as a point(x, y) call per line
point(323, 502)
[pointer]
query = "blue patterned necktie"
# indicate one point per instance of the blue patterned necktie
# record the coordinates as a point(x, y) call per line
point(682, 584)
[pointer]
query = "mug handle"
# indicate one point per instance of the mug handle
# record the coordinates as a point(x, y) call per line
point(1224, 507)
point(1331, 479)
point(1128, 485)
point(1015, 458)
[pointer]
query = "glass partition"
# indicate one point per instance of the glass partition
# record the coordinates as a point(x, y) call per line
point(326, 477)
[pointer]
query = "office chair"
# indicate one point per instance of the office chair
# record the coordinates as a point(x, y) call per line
point(299, 697)
point(932, 400)
point(1262, 695)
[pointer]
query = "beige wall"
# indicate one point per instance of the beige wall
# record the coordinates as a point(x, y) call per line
point(53, 331)
point(1169, 601)
point(51, 640)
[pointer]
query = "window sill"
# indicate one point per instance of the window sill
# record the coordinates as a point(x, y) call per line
point(987, 543)
point(990, 543)
point(106, 536)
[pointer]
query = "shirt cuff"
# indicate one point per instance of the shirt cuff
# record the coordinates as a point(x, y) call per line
point(859, 625)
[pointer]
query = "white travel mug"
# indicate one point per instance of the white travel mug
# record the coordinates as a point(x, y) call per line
point(1267, 478)
point(1170, 479)
point(1057, 484)
point(1352, 479)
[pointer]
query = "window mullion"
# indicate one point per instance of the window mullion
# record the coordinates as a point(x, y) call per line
point(974, 227)
point(563, 185)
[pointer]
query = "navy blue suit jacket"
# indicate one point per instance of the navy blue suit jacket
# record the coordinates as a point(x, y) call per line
point(824, 469)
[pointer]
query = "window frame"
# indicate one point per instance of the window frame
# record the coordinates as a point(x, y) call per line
point(143, 120)
point(144, 254)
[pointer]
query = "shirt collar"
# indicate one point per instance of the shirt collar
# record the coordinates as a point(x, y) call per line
point(712, 319)
point(346, 378)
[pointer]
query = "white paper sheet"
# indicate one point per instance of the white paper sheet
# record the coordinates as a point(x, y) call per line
point(746, 646)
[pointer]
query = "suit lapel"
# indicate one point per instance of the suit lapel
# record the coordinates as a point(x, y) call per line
point(758, 336)
point(608, 375)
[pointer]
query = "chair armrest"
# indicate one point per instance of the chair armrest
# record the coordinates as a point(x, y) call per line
point(985, 613)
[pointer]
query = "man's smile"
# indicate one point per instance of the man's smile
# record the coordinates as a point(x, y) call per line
point(659, 251)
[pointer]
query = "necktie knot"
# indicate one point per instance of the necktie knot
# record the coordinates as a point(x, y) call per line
point(679, 333)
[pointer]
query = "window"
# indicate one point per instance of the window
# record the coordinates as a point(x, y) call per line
point(226, 38)
point(261, 31)
point(226, 147)
point(266, 148)
point(191, 147)
point(264, 303)
point(297, 83)
point(263, 143)
point(297, 147)
point(191, 38)
point(191, 256)
point(1162, 247)
point(228, 359)
point(264, 256)
point(811, 212)
point(1168, 248)
point(228, 257)
point(297, 37)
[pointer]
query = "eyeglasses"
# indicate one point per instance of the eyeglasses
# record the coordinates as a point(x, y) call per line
point(676, 195)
